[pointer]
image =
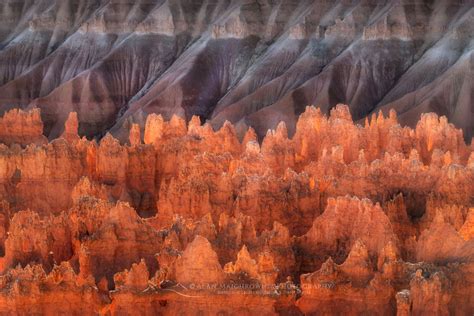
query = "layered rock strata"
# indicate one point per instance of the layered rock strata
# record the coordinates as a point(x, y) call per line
point(252, 62)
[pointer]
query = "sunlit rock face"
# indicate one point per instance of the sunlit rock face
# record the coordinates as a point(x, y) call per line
point(253, 63)
point(340, 218)
point(160, 157)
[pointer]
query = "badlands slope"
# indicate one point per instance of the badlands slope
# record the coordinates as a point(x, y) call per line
point(253, 63)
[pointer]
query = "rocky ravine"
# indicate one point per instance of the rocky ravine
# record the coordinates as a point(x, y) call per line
point(339, 219)
point(254, 63)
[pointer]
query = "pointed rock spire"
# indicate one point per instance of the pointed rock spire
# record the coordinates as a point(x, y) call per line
point(199, 264)
point(71, 128)
point(135, 135)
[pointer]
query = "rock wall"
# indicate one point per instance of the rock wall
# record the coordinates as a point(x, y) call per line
point(340, 218)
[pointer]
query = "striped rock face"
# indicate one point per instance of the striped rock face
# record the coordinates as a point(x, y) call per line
point(195, 157)
point(254, 63)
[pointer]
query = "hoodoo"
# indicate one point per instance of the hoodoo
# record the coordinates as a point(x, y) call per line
point(236, 157)
point(197, 220)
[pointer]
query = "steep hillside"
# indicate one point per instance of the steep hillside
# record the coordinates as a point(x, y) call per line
point(253, 63)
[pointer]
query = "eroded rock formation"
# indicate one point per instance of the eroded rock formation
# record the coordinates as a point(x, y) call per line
point(252, 62)
point(179, 218)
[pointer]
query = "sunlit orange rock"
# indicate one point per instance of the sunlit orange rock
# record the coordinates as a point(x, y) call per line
point(21, 127)
point(345, 222)
point(199, 264)
point(71, 128)
point(336, 219)
point(32, 290)
point(430, 294)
